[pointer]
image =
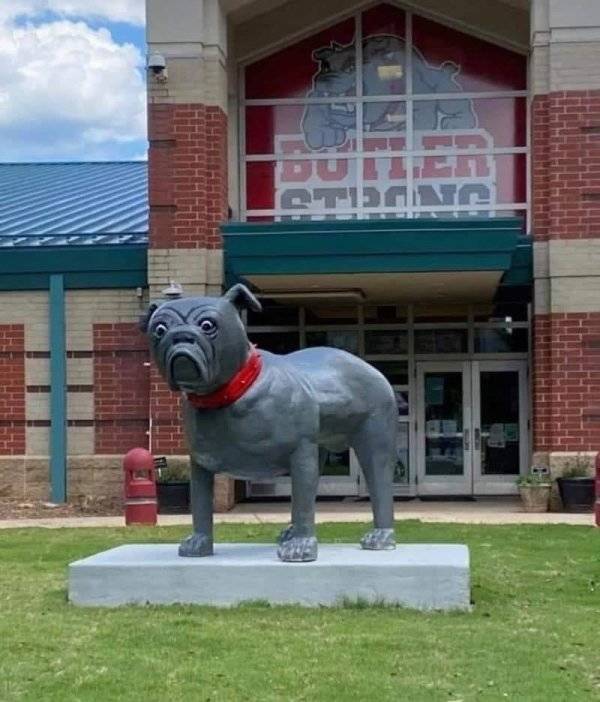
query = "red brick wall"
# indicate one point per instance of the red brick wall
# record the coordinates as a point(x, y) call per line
point(540, 148)
point(165, 410)
point(12, 389)
point(121, 387)
point(187, 162)
point(566, 395)
point(566, 165)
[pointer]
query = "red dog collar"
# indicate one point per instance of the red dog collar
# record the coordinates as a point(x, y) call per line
point(227, 394)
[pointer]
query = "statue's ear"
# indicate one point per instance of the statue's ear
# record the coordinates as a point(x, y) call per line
point(242, 298)
point(145, 318)
point(322, 54)
point(450, 68)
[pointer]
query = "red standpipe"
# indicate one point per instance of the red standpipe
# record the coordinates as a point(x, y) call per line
point(140, 487)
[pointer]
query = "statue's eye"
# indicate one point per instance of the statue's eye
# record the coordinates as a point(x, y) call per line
point(208, 326)
point(160, 330)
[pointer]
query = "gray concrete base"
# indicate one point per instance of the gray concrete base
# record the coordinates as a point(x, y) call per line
point(420, 576)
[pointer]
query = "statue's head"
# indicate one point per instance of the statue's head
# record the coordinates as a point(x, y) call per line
point(199, 343)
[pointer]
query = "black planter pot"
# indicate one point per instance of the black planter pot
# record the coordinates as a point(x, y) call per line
point(173, 497)
point(577, 494)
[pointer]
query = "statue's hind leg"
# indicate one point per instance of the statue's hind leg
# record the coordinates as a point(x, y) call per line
point(375, 447)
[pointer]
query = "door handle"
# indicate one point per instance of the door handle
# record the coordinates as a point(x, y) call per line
point(466, 439)
point(477, 438)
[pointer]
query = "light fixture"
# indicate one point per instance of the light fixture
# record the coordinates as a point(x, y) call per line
point(507, 321)
point(355, 295)
point(174, 291)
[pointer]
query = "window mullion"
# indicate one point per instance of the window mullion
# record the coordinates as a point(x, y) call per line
point(409, 116)
point(241, 114)
point(358, 114)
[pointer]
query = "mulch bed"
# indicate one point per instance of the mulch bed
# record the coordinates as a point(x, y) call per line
point(38, 509)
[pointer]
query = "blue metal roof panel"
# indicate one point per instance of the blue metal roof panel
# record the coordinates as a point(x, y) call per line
point(73, 204)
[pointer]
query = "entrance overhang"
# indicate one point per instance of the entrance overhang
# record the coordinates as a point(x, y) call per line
point(382, 260)
point(464, 286)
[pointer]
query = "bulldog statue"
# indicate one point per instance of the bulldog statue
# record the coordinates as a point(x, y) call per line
point(254, 414)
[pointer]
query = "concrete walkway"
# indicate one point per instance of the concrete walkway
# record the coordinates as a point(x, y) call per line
point(480, 511)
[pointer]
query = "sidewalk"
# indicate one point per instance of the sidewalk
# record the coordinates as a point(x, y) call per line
point(481, 511)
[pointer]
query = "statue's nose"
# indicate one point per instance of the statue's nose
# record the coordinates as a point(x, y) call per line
point(184, 336)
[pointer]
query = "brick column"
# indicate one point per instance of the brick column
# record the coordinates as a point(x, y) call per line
point(566, 230)
point(188, 188)
point(187, 160)
point(188, 203)
point(12, 389)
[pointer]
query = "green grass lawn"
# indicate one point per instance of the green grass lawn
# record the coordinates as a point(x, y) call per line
point(534, 633)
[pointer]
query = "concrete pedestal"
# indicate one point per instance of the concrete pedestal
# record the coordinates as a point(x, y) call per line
point(420, 576)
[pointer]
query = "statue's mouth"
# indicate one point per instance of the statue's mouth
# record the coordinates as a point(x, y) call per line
point(186, 367)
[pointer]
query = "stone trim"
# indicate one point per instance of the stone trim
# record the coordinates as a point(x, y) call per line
point(98, 476)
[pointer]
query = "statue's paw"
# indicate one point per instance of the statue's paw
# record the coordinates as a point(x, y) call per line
point(286, 534)
point(320, 137)
point(379, 540)
point(298, 549)
point(331, 137)
point(196, 545)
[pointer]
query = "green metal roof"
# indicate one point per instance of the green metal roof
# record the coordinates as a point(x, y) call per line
point(73, 204)
point(373, 246)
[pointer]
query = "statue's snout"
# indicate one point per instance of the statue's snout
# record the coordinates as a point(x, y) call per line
point(184, 335)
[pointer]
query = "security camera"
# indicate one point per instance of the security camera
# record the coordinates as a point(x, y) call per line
point(158, 65)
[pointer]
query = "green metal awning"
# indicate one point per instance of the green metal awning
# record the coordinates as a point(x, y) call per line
point(410, 254)
point(89, 266)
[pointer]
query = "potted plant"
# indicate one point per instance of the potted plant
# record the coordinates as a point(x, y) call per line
point(576, 487)
point(172, 487)
point(534, 489)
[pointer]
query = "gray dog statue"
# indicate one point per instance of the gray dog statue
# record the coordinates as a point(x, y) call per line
point(254, 414)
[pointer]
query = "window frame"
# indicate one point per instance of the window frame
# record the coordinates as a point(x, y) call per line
point(409, 154)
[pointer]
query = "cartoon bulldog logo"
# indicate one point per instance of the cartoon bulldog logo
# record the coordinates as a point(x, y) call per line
point(384, 62)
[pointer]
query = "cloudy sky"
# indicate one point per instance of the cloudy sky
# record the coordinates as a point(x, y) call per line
point(72, 80)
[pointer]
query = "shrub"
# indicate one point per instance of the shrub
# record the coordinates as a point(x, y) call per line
point(174, 473)
point(576, 467)
point(533, 479)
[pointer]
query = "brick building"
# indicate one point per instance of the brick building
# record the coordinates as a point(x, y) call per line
point(418, 183)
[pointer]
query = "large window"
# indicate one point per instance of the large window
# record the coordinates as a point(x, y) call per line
point(385, 114)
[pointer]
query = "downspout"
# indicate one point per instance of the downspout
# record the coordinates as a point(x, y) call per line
point(58, 394)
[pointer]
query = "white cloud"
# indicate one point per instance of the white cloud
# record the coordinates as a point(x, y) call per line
point(68, 91)
point(131, 11)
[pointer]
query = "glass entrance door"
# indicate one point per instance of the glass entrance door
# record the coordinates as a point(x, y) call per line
point(444, 465)
point(500, 427)
point(472, 430)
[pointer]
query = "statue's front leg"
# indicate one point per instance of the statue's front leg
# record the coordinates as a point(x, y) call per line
point(200, 542)
point(299, 544)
